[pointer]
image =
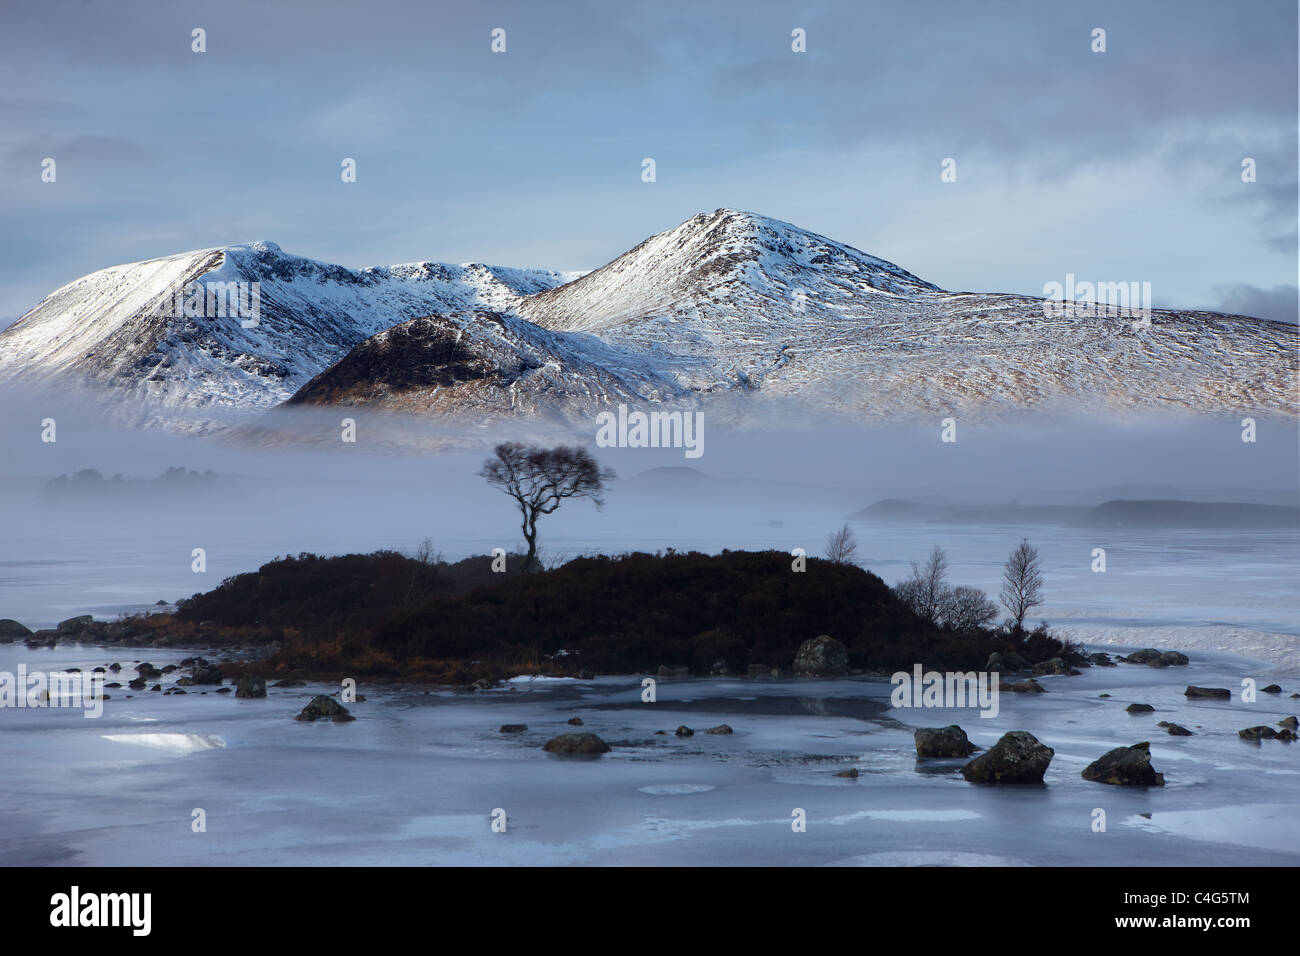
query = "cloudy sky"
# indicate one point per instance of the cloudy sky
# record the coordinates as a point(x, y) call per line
point(1115, 166)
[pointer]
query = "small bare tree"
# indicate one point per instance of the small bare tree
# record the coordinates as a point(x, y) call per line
point(842, 546)
point(539, 479)
point(1022, 583)
point(966, 609)
point(924, 591)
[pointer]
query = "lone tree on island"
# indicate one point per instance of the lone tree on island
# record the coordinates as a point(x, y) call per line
point(1022, 583)
point(540, 478)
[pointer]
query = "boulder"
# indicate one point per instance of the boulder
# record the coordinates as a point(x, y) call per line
point(1288, 722)
point(576, 721)
point(1017, 758)
point(1101, 660)
point(1287, 735)
point(1271, 689)
point(147, 670)
point(290, 682)
point(576, 744)
point(684, 731)
point(821, 656)
point(1257, 733)
point(1125, 767)
point(1005, 661)
point(137, 684)
point(75, 625)
point(1054, 666)
point(513, 728)
point(1208, 693)
point(323, 707)
point(1149, 656)
point(1140, 708)
point(1173, 659)
point(720, 729)
point(250, 687)
point(943, 742)
point(1175, 730)
point(11, 629)
point(1029, 686)
point(851, 773)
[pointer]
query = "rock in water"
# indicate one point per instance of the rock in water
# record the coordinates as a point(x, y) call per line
point(1287, 722)
point(1271, 689)
point(684, 731)
point(576, 744)
point(1017, 758)
point(576, 721)
point(250, 687)
point(821, 656)
point(322, 707)
point(1173, 659)
point(1148, 655)
point(11, 629)
point(1140, 708)
point(1125, 767)
point(1175, 730)
point(720, 729)
point(1257, 733)
point(943, 742)
point(513, 728)
point(1212, 693)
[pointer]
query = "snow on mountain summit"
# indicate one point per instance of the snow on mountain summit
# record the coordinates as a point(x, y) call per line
point(750, 261)
point(121, 327)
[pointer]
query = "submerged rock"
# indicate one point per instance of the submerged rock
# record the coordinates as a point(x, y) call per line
point(852, 773)
point(290, 682)
point(948, 741)
point(323, 707)
point(513, 728)
point(1140, 709)
point(576, 744)
point(821, 656)
point(1271, 689)
point(1017, 758)
point(1125, 767)
point(1175, 730)
point(576, 721)
point(1209, 693)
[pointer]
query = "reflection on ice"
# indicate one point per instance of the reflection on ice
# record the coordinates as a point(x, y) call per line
point(174, 743)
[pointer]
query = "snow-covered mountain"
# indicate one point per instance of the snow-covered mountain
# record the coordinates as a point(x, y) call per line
point(726, 304)
point(121, 327)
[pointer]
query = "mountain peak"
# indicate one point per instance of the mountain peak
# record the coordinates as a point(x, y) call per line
point(726, 254)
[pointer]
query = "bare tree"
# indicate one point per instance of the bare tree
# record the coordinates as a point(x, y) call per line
point(966, 609)
point(1022, 583)
point(540, 478)
point(842, 546)
point(924, 590)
